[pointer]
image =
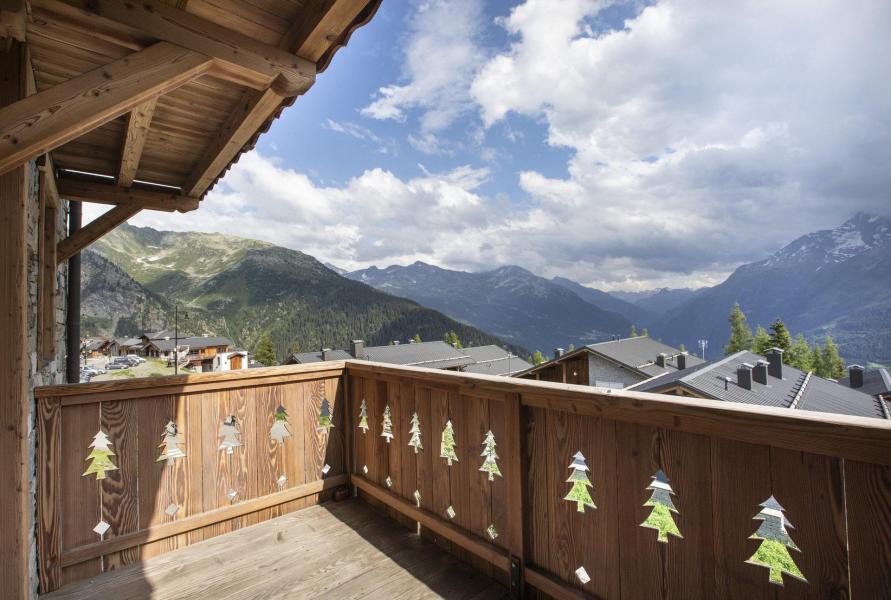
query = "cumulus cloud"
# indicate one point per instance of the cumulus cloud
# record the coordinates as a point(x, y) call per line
point(354, 130)
point(442, 51)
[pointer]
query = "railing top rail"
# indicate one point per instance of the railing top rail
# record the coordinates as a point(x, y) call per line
point(858, 438)
point(172, 384)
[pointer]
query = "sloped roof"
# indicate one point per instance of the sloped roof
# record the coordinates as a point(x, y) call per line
point(435, 355)
point(640, 353)
point(192, 342)
point(492, 360)
point(717, 380)
point(303, 358)
point(875, 382)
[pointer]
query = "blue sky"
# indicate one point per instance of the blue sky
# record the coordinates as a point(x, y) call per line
point(626, 145)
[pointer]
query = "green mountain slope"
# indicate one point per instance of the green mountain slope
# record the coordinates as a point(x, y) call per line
point(248, 288)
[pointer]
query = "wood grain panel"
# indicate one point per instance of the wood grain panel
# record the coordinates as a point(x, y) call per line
point(120, 504)
point(157, 481)
point(436, 473)
point(869, 521)
point(407, 459)
point(49, 494)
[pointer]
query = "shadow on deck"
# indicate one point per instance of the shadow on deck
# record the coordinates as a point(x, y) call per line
point(334, 550)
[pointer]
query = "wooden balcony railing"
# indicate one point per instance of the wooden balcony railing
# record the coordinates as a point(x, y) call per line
point(831, 475)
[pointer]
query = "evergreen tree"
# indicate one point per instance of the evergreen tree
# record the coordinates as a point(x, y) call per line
point(447, 445)
point(326, 421)
point(451, 338)
point(580, 483)
point(230, 434)
point(740, 333)
point(170, 442)
point(660, 517)
point(363, 417)
point(832, 363)
point(417, 339)
point(571, 348)
point(682, 348)
point(280, 429)
point(100, 455)
point(264, 352)
point(780, 338)
point(415, 431)
point(761, 341)
point(645, 332)
point(817, 361)
point(800, 354)
point(295, 347)
point(773, 551)
point(538, 358)
point(490, 464)
point(387, 426)
point(633, 330)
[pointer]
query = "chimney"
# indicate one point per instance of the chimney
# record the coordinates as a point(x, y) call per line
point(759, 373)
point(775, 362)
point(660, 359)
point(682, 361)
point(744, 376)
point(395, 342)
point(558, 352)
point(326, 353)
point(855, 375)
point(357, 349)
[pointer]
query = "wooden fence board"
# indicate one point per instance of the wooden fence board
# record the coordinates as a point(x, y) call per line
point(120, 504)
point(157, 480)
point(408, 460)
point(868, 488)
point(437, 473)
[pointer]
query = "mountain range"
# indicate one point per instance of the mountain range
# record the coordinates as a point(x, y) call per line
point(242, 289)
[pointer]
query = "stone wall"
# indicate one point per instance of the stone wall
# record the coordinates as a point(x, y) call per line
point(42, 372)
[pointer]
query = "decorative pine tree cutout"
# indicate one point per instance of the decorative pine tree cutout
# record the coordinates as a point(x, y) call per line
point(363, 417)
point(447, 446)
point(415, 431)
point(387, 427)
point(100, 455)
point(170, 441)
point(773, 553)
point(230, 434)
point(325, 421)
point(580, 483)
point(490, 464)
point(660, 517)
point(280, 428)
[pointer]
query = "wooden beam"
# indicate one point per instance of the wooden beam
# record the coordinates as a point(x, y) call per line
point(13, 17)
point(39, 123)
point(238, 57)
point(251, 112)
point(138, 123)
point(92, 232)
point(46, 280)
point(311, 16)
point(46, 166)
point(15, 528)
point(108, 193)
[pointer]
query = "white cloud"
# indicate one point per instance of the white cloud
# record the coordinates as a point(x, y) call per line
point(354, 130)
point(442, 53)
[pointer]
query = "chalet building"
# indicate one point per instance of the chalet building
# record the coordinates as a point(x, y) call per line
point(134, 345)
point(198, 352)
point(433, 355)
point(100, 347)
point(615, 364)
point(230, 361)
point(748, 378)
point(875, 382)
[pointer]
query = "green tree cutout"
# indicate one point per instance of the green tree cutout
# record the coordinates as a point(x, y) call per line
point(415, 431)
point(326, 422)
point(773, 551)
point(280, 428)
point(490, 464)
point(100, 455)
point(660, 517)
point(580, 483)
point(363, 417)
point(447, 445)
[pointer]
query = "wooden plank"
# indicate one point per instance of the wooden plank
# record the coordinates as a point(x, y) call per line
point(14, 360)
point(457, 535)
point(194, 442)
point(49, 499)
point(859, 438)
point(13, 20)
point(407, 460)
point(42, 122)
point(138, 122)
point(540, 476)
point(515, 473)
point(237, 57)
point(93, 231)
point(478, 499)
point(252, 111)
point(82, 190)
point(316, 444)
point(867, 489)
point(160, 532)
point(553, 587)
point(118, 491)
point(156, 488)
point(357, 388)
point(270, 463)
point(46, 292)
point(244, 461)
point(335, 451)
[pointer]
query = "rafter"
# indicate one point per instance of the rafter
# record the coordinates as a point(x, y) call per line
point(13, 16)
point(243, 122)
point(108, 193)
point(238, 57)
point(138, 123)
point(93, 231)
point(44, 121)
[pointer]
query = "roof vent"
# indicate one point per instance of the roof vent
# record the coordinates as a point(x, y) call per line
point(744, 376)
point(326, 353)
point(681, 361)
point(726, 383)
point(855, 376)
point(775, 362)
point(759, 373)
point(660, 359)
point(558, 352)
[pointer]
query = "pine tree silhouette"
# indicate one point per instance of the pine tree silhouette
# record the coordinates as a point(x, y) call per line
point(447, 446)
point(387, 427)
point(230, 434)
point(773, 552)
point(660, 517)
point(490, 464)
point(415, 432)
point(280, 429)
point(171, 441)
point(580, 483)
point(100, 455)
point(363, 417)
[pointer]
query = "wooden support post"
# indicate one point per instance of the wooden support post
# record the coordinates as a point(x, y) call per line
point(92, 232)
point(515, 467)
point(37, 124)
point(14, 368)
point(13, 16)
point(46, 282)
point(138, 123)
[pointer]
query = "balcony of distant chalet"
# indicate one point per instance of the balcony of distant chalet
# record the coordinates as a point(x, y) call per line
point(454, 485)
point(356, 479)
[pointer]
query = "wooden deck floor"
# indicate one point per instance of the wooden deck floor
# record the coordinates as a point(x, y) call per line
point(336, 550)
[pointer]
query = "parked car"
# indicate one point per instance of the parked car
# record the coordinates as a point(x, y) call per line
point(92, 370)
point(139, 360)
point(114, 366)
point(123, 360)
